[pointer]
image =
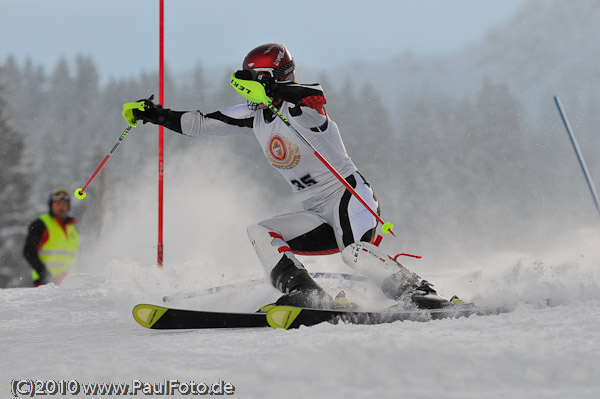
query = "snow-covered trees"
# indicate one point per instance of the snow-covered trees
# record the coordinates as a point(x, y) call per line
point(461, 167)
point(15, 180)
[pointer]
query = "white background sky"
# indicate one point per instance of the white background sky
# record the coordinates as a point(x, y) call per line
point(122, 36)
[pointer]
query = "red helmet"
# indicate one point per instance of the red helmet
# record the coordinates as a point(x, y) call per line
point(272, 57)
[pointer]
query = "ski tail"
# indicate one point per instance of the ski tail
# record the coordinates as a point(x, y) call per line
point(148, 315)
point(282, 316)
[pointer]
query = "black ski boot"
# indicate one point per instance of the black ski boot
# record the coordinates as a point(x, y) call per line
point(425, 297)
point(308, 296)
point(410, 291)
point(299, 288)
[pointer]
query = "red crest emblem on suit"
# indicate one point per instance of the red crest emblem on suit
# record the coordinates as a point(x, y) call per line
point(282, 153)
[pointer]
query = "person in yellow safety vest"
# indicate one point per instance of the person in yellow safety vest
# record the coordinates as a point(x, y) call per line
point(52, 242)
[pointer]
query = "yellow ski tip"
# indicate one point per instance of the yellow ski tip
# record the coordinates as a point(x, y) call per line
point(282, 316)
point(147, 315)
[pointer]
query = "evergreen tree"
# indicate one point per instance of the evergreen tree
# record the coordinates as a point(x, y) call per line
point(14, 192)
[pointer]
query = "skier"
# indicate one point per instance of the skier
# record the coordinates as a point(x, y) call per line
point(52, 241)
point(333, 220)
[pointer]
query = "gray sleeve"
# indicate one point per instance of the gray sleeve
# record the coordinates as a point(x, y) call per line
point(232, 120)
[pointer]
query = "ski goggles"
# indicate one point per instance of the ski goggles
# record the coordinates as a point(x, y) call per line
point(60, 195)
point(278, 73)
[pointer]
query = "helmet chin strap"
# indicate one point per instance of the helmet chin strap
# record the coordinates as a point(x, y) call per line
point(256, 106)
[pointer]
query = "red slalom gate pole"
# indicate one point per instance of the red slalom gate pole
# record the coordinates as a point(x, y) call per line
point(161, 98)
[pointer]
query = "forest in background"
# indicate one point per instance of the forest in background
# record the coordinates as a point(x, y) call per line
point(470, 170)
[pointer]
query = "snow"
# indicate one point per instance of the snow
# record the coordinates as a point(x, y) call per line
point(546, 347)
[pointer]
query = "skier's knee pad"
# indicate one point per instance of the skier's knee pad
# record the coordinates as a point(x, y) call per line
point(370, 261)
point(373, 262)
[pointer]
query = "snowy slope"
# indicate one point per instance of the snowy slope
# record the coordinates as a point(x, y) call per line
point(83, 330)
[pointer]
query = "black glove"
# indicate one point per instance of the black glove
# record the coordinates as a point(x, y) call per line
point(132, 112)
point(151, 112)
point(145, 110)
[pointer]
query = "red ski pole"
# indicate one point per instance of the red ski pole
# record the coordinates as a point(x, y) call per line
point(80, 192)
point(128, 114)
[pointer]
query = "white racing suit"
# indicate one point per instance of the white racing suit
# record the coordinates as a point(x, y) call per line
point(332, 218)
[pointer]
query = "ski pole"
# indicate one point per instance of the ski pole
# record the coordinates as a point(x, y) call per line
point(582, 164)
point(127, 113)
point(255, 91)
point(80, 192)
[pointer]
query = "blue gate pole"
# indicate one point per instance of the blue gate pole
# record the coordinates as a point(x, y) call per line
point(584, 168)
